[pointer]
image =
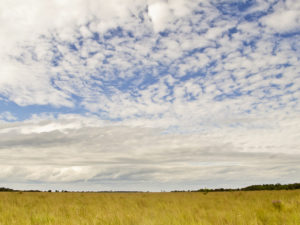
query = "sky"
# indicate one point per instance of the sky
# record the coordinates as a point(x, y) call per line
point(149, 95)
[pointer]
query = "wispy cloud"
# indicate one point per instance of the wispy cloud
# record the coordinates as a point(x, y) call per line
point(8, 116)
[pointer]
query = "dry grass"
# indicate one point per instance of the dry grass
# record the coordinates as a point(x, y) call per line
point(234, 208)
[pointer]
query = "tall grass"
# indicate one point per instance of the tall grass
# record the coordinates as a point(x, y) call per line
point(232, 208)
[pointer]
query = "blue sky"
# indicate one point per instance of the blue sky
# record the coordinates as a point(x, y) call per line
point(149, 94)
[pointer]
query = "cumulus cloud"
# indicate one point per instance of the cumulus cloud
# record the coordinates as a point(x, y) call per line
point(285, 18)
point(160, 14)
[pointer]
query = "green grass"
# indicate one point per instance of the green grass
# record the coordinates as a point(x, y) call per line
point(189, 208)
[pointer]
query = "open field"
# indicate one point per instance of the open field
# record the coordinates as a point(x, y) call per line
point(189, 208)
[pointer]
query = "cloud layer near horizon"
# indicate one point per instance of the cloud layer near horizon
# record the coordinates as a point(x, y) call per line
point(141, 88)
point(84, 149)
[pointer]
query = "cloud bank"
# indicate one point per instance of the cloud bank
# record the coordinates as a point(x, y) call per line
point(84, 151)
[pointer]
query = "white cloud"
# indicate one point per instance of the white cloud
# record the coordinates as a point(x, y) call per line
point(28, 75)
point(160, 14)
point(99, 152)
point(7, 116)
point(285, 18)
point(283, 21)
point(30, 84)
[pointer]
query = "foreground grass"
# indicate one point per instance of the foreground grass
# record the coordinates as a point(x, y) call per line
point(234, 208)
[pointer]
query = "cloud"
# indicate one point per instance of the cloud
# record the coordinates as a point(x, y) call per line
point(8, 116)
point(73, 148)
point(105, 56)
point(285, 18)
point(160, 14)
point(140, 75)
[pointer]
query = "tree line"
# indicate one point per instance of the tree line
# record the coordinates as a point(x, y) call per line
point(3, 189)
point(272, 187)
point(258, 187)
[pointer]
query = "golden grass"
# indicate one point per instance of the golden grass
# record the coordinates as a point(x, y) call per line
point(232, 208)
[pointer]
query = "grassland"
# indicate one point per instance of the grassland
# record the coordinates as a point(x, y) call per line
point(234, 208)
